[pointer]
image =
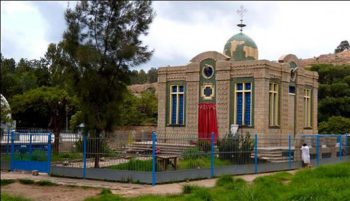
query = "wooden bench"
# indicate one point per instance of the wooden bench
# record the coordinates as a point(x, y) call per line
point(165, 160)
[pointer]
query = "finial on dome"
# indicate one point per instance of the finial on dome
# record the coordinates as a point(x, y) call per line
point(241, 11)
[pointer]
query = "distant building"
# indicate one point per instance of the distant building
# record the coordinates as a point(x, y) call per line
point(215, 91)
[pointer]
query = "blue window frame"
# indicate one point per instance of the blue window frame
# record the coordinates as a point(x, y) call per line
point(176, 116)
point(243, 103)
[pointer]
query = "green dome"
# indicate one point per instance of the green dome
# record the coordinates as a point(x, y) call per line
point(241, 47)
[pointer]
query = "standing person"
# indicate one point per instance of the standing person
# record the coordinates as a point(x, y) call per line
point(305, 155)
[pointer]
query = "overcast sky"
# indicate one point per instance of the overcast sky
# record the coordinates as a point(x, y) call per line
point(181, 30)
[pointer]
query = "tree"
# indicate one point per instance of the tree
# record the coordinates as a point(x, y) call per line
point(100, 44)
point(142, 77)
point(152, 75)
point(344, 45)
point(43, 107)
point(335, 125)
point(333, 96)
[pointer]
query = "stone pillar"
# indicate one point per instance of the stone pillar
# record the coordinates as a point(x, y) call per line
point(161, 102)
point(223, 89)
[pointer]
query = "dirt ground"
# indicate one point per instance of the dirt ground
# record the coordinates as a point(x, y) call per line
point(87, 188)
point(50, 193)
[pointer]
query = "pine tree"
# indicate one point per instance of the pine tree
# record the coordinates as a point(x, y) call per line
point(101, 43)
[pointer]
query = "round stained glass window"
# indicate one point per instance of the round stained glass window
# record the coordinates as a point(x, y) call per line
point(208, 71)
point(208, 91)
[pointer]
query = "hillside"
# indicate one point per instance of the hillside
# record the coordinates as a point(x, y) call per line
point(336, 59)
point(137, 89)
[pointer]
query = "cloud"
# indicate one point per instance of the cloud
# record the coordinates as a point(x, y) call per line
point(22, 31)
point(181, 30)
point(52, 14)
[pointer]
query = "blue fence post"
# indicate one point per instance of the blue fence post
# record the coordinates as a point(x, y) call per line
point(30, 147)
point(318, 149)
point(290, 150)
point(84, 155)
point(8, 142)
point(256, 153)
point(49, 153)
point(153, 158)
point(340, 148)
point(12, 151)
point(212, 156)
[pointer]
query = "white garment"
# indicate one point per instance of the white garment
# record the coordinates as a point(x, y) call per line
point(305, 154)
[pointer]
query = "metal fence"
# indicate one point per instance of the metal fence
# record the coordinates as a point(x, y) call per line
point(147, 158)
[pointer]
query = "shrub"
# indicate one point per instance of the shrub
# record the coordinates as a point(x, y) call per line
point(187, 189)
point(203, 145)
point(105, 191)
point(45, 183)
point(26, 181)
point(224, 180)
point(5, 182)
point(236, 148)
point(201, 194)
point(191, 153)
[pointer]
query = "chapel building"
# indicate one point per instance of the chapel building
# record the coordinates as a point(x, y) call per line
point(216, 91)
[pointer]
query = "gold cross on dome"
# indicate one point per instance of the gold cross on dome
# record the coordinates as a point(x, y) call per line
point(241, 11)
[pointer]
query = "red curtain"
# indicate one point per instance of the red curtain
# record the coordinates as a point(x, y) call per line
point(207, 122)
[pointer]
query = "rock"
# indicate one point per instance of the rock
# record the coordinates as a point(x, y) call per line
point(35, 172)
point(102, 159)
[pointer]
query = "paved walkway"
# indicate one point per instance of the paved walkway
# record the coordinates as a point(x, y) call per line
point(125, 189)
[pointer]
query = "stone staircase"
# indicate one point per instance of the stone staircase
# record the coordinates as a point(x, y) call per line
point(274, 154)
point(165, 148)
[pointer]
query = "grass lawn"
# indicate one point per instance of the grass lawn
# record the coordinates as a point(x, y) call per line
point(6, 197)
point(324, 183)
point(39, 155)
point(146, 165)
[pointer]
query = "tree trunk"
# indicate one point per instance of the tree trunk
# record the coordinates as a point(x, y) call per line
point(97, 149)
point(57, 142)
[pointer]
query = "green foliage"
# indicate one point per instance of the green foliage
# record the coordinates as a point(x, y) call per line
point(26, 181)
point(322, 183)
point(344, 45)
point(203, 145)
point(224, 180)
point(135, 164)
point(5, 182)
point(41, 106)
point(106, 197)
point(45, 183)
point(66, 156)
point(191, 153)
point(105, 191)
point(200, 194)
point(139, 111)
point(335, 125)
point(75, 120)
point(6, 197)
point(236, 148)
point(141, 77)
point(334, 97)
point(187, 189)
point(99, 52)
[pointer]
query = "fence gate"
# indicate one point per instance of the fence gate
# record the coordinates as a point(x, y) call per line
point(31, 151)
